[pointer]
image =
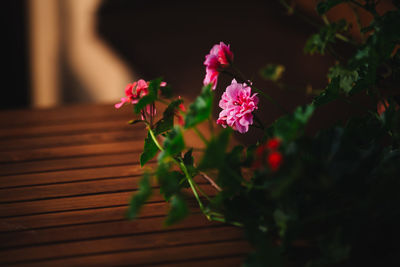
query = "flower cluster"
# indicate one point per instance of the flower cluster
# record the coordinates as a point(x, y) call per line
point(134, 91)
point(220, 57)
point(269, 151)
point(237, 105)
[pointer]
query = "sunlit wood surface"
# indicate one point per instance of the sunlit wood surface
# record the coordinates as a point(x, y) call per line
point(66, 176)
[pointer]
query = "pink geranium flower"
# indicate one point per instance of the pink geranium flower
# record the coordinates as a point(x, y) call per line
point(134, 91)
point(237, 105)
point(220, 57)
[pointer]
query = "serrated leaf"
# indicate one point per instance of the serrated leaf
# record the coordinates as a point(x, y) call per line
point(166, 123)
point(215, 151)
point(272, 72)
point(139, 199)
point(178, 210)
point(154, 85)
point(173, 144)
point(347, 77)
point(200, 110)
point(149, 151)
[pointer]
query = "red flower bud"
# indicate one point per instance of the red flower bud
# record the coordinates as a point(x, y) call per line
point(274, 143)
point(274, 160)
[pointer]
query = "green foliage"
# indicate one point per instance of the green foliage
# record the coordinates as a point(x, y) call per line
point(319, 42)
point(200, 110)
point(272, 72)
point(346, 77)
point(215, 151)
point(152, 96)
point(166, 123)
point(178, 210)
point(292, 125)
point(170, 181)
point(138, 200)
point(149, 151)
point(173, 144)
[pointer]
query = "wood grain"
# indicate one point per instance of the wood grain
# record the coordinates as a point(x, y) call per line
point(66, 177)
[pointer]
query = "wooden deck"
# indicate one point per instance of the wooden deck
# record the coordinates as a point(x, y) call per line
point(66, 176)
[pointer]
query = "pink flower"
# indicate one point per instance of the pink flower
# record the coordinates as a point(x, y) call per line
point(134, 91)
point(237, 105)
point(220, 57)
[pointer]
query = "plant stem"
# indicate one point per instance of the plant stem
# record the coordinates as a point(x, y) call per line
point(155, 139)
point(211, 181)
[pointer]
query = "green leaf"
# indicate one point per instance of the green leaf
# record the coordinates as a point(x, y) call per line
point(318, 43)
point(330, 93)
point(200, 110)
point(166, 123)
point(154, 85)
point(139, 199)
point(135, 121)
point(169, 181)
point(215, 151)
point(173, 144)
point(166, 91)
point(149, 151)
point(347, 77)
point(272, 72)
point(178, 210)
point(325, 6)
point(291, 126)
point(188, 160)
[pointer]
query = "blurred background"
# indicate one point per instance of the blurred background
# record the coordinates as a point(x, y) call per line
point(85, 51)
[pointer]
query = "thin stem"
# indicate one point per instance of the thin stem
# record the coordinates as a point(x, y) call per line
point(155, 139)
point(218, 219)
point(211, 181)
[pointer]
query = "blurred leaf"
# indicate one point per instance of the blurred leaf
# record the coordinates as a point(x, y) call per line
point(347, 77)
point(154, 85)
point(139, 199)
point(200, 110)
point(215, 151)
point(173, 144)
point(166, 91)
point(331, 92)
point(149, 151)
point(178, 211)
point(318, 43)
point(325, 6)
point(166, 123)
point(292, 125)
point(135, 121)
point(272, 72)
point(169, 180)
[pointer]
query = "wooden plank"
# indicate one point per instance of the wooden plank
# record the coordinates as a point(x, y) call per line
point(68, 176)
point(221, 261)
point(70, 151)
point(77, 217)
point(96, 230)
point(154, 256)
point(60, 115)
point(77, 203)
point(64, 129)
point(70, 140)
point(69, 163)
point(68, 189)
point(71, 189)
point(115, 244)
